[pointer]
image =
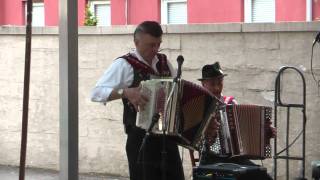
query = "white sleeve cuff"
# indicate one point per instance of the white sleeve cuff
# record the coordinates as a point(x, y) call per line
point(100, 94)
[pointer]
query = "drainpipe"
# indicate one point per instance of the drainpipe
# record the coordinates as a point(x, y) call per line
point(309, 10)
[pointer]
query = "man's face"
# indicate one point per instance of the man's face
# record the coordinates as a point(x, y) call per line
point(214, 85)
point(147, 46)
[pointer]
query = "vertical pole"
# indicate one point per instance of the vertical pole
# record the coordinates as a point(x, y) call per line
point(309, 10)
point(276, 104)
point(68, 86)
point(287, 143)
point(275, 160)
point(304, 127)
point(24, 133)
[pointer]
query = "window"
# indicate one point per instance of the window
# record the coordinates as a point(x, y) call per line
point(259, 11)
point(174, 12)
point(37, 14)
point(102, 11)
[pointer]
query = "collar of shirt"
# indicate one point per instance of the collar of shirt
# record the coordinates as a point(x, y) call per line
point(140, 58)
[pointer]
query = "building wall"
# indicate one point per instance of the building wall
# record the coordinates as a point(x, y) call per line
point(251, 55)
point(52, 12)
point(118, 12)
point(290, 10)
point(13, 12)
point(51, 9)
point(141, 10)
point(199, 11)
point(81, 11)
point(316, 10)
point(215, 11)
point(2, 14)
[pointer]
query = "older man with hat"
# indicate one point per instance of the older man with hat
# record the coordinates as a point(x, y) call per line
point(212, 79)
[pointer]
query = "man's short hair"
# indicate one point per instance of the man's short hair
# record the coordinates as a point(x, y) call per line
point(149, 27)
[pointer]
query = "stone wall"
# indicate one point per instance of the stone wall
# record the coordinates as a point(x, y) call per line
point(251, 55)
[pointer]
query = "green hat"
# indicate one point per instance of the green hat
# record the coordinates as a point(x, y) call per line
point(210, 71)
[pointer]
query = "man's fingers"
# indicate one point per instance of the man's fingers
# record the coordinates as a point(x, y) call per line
point(144, 98)
point(136, 106)
point(139, 88)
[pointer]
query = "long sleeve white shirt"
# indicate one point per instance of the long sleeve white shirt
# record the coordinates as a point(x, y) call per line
point(119, 75)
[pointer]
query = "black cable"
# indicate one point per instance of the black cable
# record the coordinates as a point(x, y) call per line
point(312, 73)
point(290, 144)
point(317, 39)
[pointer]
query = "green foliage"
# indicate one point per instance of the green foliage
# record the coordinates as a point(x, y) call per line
point(90, 19)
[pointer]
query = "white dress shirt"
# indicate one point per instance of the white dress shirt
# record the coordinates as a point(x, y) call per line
point(119, 75)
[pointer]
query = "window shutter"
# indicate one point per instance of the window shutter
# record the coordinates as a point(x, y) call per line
point(263, 10)
point(102, 12)
point(177, 13)
point(37, 14)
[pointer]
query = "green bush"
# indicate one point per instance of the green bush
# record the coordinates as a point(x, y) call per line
point(90, 19)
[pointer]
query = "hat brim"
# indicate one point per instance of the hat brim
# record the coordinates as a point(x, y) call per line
point(201, 79)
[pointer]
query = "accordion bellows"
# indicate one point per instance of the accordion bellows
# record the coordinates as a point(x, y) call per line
point(248, 133)
point(185, 110)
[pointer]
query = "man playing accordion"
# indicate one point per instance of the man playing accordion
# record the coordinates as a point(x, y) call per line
point(212, 79)
point(122, 81)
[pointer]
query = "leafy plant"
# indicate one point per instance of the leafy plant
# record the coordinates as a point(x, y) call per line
point(90, 19)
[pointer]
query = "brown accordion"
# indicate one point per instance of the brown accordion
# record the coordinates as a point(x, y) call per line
point(185, 110)
point(245, 131)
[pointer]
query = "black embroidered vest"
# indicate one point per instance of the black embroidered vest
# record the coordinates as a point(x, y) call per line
point(141, 72)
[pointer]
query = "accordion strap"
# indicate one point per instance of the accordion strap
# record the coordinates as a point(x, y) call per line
point(136, 64)
point(162, 65)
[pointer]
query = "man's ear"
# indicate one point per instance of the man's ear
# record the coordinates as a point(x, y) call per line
point(203, 83)
point(135, 40)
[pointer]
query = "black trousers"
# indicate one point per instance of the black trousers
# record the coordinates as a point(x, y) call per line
point(148, 166)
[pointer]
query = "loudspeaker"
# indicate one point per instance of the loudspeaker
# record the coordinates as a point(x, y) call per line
point(229, 171)
point(315, 170)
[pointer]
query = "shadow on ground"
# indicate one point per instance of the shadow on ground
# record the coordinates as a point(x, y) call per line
point(12, 173)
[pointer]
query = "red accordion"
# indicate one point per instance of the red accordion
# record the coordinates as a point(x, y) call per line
point(245, 131)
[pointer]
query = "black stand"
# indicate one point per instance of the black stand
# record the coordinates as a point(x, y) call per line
point(163, 156)
point(155, 119)
point(180, 60)
point(279, 103)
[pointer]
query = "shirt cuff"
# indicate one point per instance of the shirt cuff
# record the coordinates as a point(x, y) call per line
point(100, 94)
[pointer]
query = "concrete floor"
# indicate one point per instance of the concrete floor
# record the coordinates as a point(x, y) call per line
point(12, 173)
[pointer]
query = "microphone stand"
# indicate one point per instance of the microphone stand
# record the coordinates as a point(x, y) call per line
point(155, 119)
point(176, 81)
point(316, 39)
point(180, 60)
point(26, 84)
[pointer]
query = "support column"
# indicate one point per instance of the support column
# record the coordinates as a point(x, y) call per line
point(309, 10)
point(68, 85)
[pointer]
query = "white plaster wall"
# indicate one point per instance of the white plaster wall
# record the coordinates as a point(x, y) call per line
point(251, 55)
